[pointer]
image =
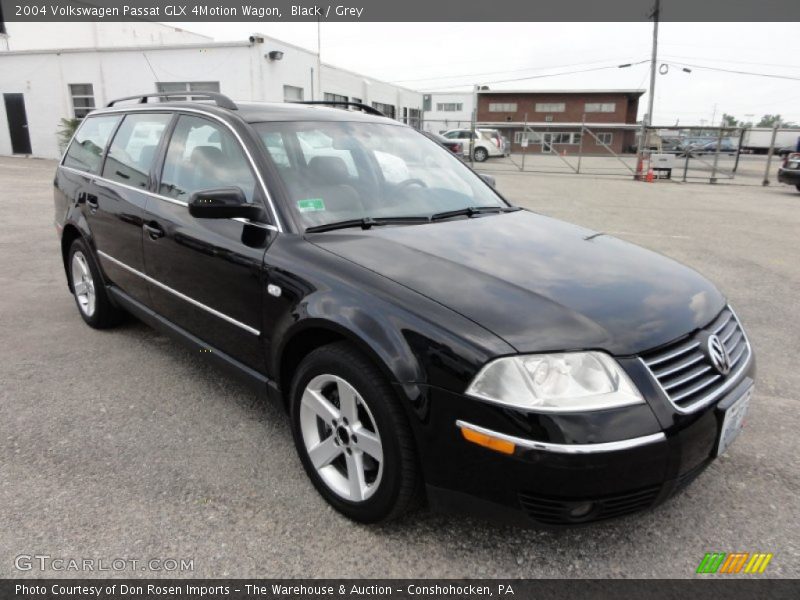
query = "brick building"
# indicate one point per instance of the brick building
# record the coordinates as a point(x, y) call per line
point(554, 118)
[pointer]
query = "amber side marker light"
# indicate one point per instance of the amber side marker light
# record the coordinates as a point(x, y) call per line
point(487, 441)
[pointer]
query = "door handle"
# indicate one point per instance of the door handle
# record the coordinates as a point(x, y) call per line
point(154, 230)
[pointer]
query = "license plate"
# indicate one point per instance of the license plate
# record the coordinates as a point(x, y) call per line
point(733, 420)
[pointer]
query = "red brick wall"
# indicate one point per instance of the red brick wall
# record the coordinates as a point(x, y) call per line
point(626, 108)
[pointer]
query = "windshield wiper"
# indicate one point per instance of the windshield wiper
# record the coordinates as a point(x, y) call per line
point(473, 210)
point(367, 223)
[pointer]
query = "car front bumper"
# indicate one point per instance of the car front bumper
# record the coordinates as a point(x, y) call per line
point(566, 469)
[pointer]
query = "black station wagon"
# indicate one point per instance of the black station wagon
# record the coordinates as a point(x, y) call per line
point(430, 341)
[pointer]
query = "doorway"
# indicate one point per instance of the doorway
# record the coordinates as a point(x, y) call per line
point(17, 123)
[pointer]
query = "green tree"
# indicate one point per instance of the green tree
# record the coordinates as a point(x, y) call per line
point(729, 121)
point(66, 130)
point(769, 121)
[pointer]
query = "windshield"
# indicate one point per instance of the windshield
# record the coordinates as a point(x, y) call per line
point(335, 171)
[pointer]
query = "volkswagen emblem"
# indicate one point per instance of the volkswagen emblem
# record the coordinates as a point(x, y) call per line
point(718, 355)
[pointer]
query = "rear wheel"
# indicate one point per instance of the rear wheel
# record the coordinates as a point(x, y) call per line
point(480, 154)
point(352, 436)
point(88, 289)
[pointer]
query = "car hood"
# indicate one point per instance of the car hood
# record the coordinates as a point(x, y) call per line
point(539, 283)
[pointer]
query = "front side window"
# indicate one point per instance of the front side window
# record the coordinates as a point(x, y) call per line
point(351, 170)
point(133, 150)
point(85, 153)
point(203, 155)
point(82, 95)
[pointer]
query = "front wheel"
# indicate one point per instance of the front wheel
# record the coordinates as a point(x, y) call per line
point(352, 436)
point(480, 154)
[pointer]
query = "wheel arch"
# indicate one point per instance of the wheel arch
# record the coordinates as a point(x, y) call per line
point(313, 333)
point(69, 235)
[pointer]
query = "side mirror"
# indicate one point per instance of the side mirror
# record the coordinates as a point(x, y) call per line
point(223, 203)
point(488, 179)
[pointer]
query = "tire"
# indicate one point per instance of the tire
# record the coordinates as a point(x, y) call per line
point(323, 426)
point(88, 289)
point(480, 154)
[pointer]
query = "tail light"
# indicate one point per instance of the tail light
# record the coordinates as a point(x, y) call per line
point(498, 142)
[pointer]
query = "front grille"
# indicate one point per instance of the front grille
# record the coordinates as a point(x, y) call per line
point(686, 374)
point(554, 511)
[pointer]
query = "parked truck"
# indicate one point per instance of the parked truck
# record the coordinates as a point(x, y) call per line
point(757, 140)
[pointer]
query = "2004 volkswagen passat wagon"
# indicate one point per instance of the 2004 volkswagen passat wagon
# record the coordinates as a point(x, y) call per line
point(429, 340)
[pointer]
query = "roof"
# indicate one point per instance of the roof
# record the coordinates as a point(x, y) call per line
point(585, 91)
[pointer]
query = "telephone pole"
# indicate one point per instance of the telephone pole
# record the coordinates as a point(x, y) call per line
point(647, 119)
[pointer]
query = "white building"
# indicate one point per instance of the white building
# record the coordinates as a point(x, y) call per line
point(447, 110)
point(62, 70)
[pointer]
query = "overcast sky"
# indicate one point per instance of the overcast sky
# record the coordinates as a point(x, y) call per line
point(453, 56)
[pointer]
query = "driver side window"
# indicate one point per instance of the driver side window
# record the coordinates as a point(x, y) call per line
point(203, 155)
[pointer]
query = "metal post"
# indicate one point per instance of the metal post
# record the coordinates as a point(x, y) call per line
point(716, 157)
point(580, 145)
point(739, 149)
point(524, 137)
point(771, 152)
point(686, 166)
point(472, 127)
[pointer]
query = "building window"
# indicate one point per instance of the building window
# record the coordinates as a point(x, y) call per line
point(82, 99)
point(550, 107)
point(357, 100)
point(449, 106)
point(552, 138)
point(594, 107)
point(605, 138)
point(387, 109)
point(292, 93)
point(502, 107)
point(533, 137)
point(185, 87)
point(336, 98)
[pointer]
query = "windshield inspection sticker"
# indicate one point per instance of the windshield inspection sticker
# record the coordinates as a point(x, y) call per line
point(310, 205)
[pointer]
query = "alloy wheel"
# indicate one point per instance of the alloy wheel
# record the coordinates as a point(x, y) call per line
point(83, 284)
point(341, 438)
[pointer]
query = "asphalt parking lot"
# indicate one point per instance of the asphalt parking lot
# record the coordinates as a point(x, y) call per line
point(124, 444)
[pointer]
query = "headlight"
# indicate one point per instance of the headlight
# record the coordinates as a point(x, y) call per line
point(568, 382)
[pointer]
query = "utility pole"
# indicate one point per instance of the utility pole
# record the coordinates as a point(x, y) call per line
point(647, 119)
point(319, 61)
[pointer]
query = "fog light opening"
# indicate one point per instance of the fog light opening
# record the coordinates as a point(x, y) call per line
point(581, 510)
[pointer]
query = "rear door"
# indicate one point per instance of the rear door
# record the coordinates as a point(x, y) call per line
point(206, 274)
point(115, 209)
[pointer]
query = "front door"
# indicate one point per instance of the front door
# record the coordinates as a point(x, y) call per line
point(17, 123)
point(206, 274)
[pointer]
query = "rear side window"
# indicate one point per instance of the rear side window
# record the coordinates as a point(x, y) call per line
point(133, 150)
point(204, 155)
point(86, 150)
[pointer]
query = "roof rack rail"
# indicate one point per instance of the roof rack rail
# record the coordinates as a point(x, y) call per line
point(365, 107)
point(220, 99)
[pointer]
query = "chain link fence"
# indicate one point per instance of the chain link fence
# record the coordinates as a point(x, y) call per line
point(699, 154)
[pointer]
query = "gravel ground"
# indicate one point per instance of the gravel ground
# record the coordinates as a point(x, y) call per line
point(123, 444)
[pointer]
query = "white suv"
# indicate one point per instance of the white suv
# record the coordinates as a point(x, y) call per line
point(488, 142)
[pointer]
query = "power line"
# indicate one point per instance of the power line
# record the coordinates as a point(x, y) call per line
point(542, 76)
point(707, 68)
point(501, 72)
